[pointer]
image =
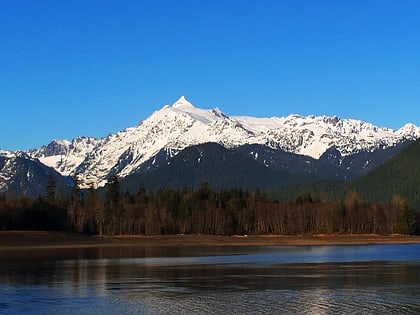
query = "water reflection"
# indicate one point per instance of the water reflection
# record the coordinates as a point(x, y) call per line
point(288, 280)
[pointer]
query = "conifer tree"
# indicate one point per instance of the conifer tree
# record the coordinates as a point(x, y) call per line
point(75, 211)
point(75, 191)
point(406, 216)
point(50, 188)
point(112, 191)
point(95, 209)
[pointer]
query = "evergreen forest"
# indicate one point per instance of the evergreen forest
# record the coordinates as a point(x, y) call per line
point(204, 211)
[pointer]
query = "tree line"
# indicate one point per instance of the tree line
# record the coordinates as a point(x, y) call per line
point(204, 211)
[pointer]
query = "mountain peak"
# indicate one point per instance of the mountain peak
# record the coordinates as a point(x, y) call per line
point(182, 102)
point(181, 125)
point(410, 130)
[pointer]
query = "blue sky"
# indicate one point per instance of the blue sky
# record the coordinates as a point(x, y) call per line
point(70, 68)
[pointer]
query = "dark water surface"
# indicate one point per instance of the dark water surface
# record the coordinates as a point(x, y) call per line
point(366, 279)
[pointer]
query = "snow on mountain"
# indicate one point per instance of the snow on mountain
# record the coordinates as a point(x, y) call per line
point(173, 128)
point(5, 153)
point(5, 167)
point(21, 175)
point(181, 125)
point(313, 135)
point(410, 131)
point(63, 155)
point(9, 166)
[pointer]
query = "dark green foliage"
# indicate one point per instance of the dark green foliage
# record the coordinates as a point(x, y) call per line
point(50, 188)
point(400, 175)
point(207, 211)
point(141, 195)
point(216, 165)
point(303, 198)
point(406, 218)
point(75, 191)
point(382, 202)
point(75, 212)
point(112, 191)
point(323, 190)
point(38, 214)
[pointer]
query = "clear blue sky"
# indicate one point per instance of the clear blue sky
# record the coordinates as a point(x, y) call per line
point(84, 67)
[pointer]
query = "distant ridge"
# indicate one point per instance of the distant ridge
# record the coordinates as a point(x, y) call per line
point(181, 125)
point(321, 146)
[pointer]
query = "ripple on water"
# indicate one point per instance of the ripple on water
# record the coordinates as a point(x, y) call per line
point(270, 283)
point(308, 301)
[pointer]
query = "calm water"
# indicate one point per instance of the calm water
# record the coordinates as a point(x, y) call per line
point(374, 279)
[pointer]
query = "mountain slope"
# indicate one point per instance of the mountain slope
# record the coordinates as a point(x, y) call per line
point(331, 165)
point(23, 176)
point(174, 128)
point(216, 165)
point(399, 175)
point(63, 155)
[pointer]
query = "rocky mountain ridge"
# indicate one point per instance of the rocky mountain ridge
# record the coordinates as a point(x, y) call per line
point(174, 128)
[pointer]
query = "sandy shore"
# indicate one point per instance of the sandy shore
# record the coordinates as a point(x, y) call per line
point(40, 239)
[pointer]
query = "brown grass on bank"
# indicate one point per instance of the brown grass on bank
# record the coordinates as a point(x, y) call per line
point(43, 239)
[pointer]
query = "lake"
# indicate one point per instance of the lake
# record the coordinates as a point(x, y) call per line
point(363, 279)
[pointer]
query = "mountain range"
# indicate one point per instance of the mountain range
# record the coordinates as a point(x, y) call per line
point(173, 144)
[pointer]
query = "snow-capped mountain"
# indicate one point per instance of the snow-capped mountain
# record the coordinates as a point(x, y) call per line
point(315, 144)
point(314, 135)
point(25, 176)
point(63, 155)
point(174, 128)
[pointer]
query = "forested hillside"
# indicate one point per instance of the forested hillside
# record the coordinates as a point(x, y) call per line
point(216, 165)
point(385, 201)
point(206, 211)
point(400, 175)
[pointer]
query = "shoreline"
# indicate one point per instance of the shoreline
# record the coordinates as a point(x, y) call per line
point(10, 240)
